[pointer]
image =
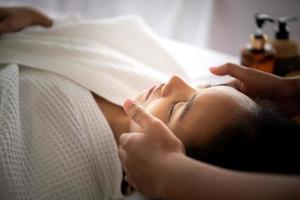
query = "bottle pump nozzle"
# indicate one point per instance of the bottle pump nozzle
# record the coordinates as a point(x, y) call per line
point(282, 30)
point(260, 19)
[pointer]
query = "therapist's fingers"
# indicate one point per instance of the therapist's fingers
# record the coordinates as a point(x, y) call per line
point(16, 18)
point(41, 19)
point(244, 74)
point(5, 26)
point(127, 138)
point(145, 120)
point(122, 153)
point(237, 71)
point(228, 69)
point(123, 157)
point(128, 179)
point(44, 21)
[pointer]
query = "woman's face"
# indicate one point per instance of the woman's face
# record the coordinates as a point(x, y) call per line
point(194, 115)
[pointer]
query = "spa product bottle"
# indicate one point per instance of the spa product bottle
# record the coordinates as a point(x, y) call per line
point(287, 55)
point(259, 54)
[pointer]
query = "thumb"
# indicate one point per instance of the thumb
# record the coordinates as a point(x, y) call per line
point(237, 71)
point(43, 20)
point(144, 119)
point(244, 74)
point(150, 125)
point(221, 70)
point(47, 22)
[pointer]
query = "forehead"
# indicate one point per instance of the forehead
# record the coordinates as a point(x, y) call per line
point(216, 102)
point(212, 110)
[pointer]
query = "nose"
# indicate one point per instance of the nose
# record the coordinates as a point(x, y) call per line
point(175, 84)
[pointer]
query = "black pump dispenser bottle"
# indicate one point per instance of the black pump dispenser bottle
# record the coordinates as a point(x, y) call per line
point(287, 55)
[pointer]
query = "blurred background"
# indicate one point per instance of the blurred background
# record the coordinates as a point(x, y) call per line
point(221, 25)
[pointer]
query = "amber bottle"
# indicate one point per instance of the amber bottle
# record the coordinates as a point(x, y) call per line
point(259, 54)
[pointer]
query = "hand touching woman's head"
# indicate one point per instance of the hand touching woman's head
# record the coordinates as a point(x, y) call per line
point(194, 115)
point(222, 126)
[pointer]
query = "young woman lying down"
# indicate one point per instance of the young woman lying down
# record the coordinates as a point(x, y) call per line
point(61, 118)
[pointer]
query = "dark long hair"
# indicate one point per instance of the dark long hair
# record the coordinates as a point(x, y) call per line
point(261, 141)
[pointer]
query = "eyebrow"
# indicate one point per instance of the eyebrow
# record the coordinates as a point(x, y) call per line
point(187, 107)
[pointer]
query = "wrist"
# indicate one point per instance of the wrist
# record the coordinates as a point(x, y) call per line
point(169, 171)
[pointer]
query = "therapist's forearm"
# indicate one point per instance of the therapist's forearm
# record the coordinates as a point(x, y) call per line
point(185, 178)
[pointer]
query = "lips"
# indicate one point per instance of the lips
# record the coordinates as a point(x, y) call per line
point(150, 92)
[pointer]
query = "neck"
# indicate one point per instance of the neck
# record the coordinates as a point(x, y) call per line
point(115, 116)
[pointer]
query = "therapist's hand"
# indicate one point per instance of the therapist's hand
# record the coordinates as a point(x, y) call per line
point(144, 155)
point(282, 91)
point(14, 19)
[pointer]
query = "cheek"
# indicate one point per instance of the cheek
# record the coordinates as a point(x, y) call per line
point(158, 108)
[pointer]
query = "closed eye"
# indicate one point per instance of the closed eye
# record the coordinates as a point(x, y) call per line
point(172, 108)
point(186, 108)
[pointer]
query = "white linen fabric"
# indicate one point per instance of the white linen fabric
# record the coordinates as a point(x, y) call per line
point(64, 148)
point(54, 141)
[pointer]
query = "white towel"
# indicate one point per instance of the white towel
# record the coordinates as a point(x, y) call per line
point(55, 142)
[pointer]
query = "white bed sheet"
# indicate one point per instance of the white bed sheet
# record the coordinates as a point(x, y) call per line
point(197, 60)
